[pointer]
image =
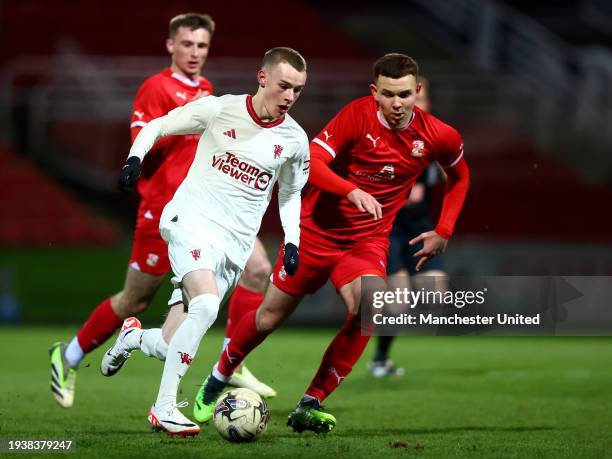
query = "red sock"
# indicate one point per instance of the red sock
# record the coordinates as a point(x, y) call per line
point(244, 340)
point(339, 358)
point(242, 301)
point(100, 326)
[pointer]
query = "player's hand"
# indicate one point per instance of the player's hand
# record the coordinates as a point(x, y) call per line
point(129, 174)
point(291, 259)
point(433, 244)
point(365, 202)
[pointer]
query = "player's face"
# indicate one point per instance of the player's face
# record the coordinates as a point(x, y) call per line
point(189, 49)
point(280, 88)
point(396, 98)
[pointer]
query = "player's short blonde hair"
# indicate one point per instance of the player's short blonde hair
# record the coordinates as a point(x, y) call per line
point(193, 21)
point(275, 56)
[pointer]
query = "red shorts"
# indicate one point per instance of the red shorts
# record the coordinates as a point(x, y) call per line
point(340, 265)
point(150, 251)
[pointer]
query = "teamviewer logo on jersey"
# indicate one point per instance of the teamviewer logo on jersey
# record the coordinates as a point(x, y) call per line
point(242, 171)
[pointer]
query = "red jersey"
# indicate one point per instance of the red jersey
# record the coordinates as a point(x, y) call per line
point(168, 162)
point(382, 162)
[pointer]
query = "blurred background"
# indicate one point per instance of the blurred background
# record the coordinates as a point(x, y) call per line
point(528, 84)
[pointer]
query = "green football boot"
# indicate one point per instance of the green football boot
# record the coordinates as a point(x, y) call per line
point(204, 404)
point(308, 415)
point(63, 376)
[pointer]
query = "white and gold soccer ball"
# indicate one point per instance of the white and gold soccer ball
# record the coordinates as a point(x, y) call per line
point(241, 415)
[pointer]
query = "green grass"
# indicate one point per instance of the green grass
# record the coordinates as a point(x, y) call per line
point(461, 397)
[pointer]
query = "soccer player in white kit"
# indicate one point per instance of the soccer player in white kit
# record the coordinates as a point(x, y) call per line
point(247, 144)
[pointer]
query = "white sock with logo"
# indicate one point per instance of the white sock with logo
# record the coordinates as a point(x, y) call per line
point(201, 314)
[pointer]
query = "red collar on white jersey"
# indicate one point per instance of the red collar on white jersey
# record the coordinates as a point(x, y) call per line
point(257, 119)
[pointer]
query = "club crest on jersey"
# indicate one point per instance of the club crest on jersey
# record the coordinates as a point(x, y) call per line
point(152, 259)
point(185, 358)
point(195, 253)
point(278, 149)
point(417, 148)
point(242, 171)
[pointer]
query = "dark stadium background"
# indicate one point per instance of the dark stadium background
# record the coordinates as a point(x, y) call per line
point(526, 83)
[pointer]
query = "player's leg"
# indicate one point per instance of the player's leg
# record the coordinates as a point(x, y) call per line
point(350, 342)
point(201, 292)
point(138, 292)
point(153, 342)
point(381, 365)
point(338, 360)
point(252, 330)
point(247, 297)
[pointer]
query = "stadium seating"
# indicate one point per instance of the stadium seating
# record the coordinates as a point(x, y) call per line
point(37, 211)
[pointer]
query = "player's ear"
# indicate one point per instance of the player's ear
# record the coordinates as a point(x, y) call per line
point(374, 91)
point(261, 78)
point(170, 45)
point(418, 88)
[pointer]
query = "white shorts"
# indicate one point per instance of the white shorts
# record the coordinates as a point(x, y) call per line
point(189, 252)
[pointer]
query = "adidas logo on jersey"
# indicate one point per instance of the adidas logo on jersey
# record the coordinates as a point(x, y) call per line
point(231, 133)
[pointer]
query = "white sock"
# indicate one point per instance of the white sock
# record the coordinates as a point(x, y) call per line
point(217, 374)
point(74, 353)
point(201, 314)
point(131, 341)
point(152, 343)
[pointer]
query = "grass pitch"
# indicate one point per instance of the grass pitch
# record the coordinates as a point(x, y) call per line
point(461, 397)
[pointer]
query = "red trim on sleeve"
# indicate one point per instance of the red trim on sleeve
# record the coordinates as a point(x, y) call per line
point(322, 177)
point(457, 185)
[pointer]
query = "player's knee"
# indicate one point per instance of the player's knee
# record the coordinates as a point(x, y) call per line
point(256, 276)
point(267, 321)
point(126, 306)
point(203, 309)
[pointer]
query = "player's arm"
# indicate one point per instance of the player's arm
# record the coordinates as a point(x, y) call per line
point(455, 191)
point(292, 177)
point(323, 150)
point(192, 118)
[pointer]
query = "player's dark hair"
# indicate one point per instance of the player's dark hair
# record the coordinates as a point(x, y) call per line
point(280, 54)
point(193, 21)
point(395, 65)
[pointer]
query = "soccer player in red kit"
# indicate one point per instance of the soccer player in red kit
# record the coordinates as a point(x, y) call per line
point(165, 168)
point(363, 165)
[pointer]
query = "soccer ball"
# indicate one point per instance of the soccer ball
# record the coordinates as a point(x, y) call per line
point(241, 415)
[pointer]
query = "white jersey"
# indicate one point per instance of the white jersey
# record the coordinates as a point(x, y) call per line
point(238, 160)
